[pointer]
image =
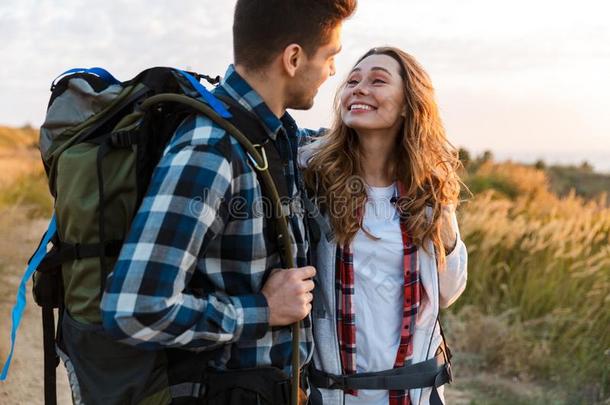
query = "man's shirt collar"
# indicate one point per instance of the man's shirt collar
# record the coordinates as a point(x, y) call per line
point(240, 90)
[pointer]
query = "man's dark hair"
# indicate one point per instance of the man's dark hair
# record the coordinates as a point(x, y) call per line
point(263, 28)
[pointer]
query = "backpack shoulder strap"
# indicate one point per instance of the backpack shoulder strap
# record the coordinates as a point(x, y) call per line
point(318, 224)
point(252, 127)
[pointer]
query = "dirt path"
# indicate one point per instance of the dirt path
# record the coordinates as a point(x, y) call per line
point(24, 385)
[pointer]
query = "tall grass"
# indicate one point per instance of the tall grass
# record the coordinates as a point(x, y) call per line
point(23, 184)
point(28, 192)
point(538, 297)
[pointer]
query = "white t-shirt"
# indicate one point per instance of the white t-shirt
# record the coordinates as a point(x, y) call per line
point(378, 290)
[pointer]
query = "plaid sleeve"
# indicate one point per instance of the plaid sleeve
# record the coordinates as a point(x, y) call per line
point(308, 144)
point(144, 302)
point(307, 135)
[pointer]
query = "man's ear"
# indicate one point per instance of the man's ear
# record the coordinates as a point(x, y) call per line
point(292, 58)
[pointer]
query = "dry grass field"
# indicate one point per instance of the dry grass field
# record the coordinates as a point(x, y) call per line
point(537, 303)
point(18, 155)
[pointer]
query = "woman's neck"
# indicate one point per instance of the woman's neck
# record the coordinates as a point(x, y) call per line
point(378, 163)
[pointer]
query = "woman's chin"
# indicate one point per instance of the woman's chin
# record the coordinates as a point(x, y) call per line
point(358, 125)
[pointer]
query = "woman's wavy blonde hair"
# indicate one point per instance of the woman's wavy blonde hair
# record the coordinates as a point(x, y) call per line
point(426, 164)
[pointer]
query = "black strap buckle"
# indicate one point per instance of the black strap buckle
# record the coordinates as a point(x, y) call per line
point(124, 139)
point(209, 79)
point(337, 382)
point(77, 251)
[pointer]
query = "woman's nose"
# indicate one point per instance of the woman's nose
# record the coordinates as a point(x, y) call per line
point(359, 89)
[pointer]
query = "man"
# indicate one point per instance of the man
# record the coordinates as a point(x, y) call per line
point(197, 223)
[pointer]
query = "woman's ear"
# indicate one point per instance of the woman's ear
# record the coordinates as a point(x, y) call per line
point(292, 57)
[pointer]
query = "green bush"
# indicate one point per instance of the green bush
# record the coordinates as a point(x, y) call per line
point(479, 183)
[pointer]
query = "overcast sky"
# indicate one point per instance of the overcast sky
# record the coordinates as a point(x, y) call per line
point(525, 79)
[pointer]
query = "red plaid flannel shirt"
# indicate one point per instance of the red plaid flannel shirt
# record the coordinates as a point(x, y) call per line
point(346, 318)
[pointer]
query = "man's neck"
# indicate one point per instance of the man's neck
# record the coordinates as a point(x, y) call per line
point(270, 90)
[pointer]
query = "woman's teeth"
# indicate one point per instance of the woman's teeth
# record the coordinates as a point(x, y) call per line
point(361, 107)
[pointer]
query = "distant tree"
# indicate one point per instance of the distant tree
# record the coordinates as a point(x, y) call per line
point(475, 164)
point(586, 167)
point(540, 165)
point(486, 156)
point(464, 157)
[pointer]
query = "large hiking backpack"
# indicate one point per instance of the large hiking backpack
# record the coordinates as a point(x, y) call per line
point(100, 143)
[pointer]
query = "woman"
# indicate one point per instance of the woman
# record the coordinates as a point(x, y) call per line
point(385, 179)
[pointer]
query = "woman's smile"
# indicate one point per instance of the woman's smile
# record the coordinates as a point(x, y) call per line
point(361, 108)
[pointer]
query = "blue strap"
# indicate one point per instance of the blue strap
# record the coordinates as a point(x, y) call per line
point(207, 96)
point(98, 71)
point(20, 302)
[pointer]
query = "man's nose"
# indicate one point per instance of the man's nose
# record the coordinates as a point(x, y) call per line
point(333, 69)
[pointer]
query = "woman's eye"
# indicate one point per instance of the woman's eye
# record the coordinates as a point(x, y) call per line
point(352, 82)
point(378, 81)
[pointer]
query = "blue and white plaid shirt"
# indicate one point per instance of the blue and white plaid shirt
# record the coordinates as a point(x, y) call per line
point(198, 221)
